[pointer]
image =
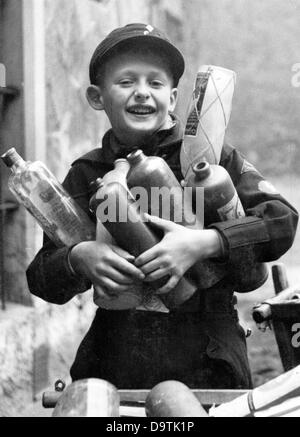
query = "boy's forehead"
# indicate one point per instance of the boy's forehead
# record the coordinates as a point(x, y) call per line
point(149, 60)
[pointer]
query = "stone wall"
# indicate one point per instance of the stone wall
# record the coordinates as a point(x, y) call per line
point(74, 28)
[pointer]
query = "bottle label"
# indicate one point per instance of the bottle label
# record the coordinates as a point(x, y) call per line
point(59, 210)
point(193, 119)
point(232, 210)
point(45, 198)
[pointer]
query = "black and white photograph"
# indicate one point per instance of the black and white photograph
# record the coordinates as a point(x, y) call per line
point(149, 206)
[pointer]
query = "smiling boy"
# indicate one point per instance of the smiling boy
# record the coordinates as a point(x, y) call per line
point(134, 75)
point(137, 93)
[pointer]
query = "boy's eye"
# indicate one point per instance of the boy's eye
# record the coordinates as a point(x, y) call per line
point(156, 83)
point(126, 82)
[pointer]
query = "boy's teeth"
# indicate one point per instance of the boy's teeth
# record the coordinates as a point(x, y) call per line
point(141, 110)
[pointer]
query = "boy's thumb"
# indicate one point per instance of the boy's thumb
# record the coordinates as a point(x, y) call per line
point(159, 222)
point(123, 253)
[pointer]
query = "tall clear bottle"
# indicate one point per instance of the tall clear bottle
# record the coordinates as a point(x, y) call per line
point(44, 197)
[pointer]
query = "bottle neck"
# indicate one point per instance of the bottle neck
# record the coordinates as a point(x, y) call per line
point(201, 170)
point(95, 185)
point(13, 160)
point(135, 157)
point(121, 165)
point(18, 165)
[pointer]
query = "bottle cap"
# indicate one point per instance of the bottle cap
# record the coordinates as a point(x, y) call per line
point(11, 157)
point(201, 170)
point(121, 163)
point(95, 185)
point(120, 160)
point(135, 156)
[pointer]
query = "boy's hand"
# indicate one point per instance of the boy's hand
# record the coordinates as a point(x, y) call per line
point(179, 249)
point(105, 265)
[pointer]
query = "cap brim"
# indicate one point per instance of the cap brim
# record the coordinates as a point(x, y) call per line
point(175, 58)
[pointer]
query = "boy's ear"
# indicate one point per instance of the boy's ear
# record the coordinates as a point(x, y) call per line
point(173, 99)
point(94, 97)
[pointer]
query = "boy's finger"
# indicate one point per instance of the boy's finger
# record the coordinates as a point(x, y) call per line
point(172, 282)
point(151, 266)
point(167, 225)
point(128, 268)
point(119, 277)
point(113, 288)
point(123, 253)
point(160, 273)
point(146, 257)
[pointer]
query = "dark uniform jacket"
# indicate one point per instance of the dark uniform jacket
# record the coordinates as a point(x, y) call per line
point(201, 343)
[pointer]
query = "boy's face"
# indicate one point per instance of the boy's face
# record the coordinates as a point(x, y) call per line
point(137, 94)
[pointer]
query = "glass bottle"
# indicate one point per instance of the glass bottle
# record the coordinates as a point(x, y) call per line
point(208, 117)
point(44, 197)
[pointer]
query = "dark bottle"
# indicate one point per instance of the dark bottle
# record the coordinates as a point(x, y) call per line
point(116, 211)
point(152, 173)
point(134, 297)
point(165, 195)
point(121, 216)
point(221, 203)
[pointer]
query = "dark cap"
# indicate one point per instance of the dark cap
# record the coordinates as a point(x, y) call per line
point(138, 32)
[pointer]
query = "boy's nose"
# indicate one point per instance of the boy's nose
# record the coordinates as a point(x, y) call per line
point(141, 93)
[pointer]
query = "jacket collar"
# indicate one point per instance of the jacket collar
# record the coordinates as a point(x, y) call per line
point(160, 143)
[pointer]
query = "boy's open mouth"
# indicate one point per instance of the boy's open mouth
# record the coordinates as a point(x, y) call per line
point(141, 110)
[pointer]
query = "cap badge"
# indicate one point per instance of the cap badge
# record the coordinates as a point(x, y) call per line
point(149, 29)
